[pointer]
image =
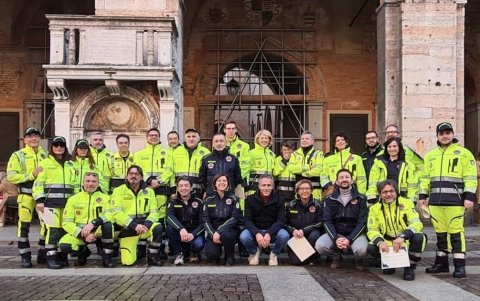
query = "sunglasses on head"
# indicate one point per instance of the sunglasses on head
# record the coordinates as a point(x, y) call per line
point(58, 145)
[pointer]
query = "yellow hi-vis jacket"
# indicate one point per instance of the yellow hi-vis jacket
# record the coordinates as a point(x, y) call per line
point(82, 166)
point(262, 160)
point(187, 163)
point(118, 169)
point(334, 162)
point(307, 165)
point(103, 159)
point(21, 165)
point(155, 161)
point(241, 150)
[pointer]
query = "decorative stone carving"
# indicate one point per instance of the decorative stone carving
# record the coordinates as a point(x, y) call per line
point(165, 90)
point(58, 87)
point(262, 12)
point(113, 86)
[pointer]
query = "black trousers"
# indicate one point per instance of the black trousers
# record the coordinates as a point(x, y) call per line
point(228, 240)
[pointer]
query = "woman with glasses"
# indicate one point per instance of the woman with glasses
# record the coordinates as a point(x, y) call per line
point(262, 159)
point(393, 165)
point(51, 189)
point(83, 162)
point(304, 218)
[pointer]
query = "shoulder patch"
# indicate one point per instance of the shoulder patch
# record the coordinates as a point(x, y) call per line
point(457, 152)
point(163, 153)
point(201, 152)
point(239, 145)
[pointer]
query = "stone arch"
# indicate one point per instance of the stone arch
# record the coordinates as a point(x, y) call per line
point(139, 104)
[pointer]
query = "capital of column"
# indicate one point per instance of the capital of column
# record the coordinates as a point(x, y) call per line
point(59, 89)
point(165, 90)
point(113, 86)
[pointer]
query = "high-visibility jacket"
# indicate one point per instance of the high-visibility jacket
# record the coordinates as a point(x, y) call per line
point(103, 160)
point(285, 180)
point(450, 176)
point(118, 169)
point(21, 165)
point(408, 181)
point(155, 162)
point(187, 162)
point(387, 221)
point(129, 209)
point(82, 166)
point(83, 208)
point(262, 160)
point(307, 166)
point(344, 158)
point(241, 150)
point(54, 185)
point(416, 159)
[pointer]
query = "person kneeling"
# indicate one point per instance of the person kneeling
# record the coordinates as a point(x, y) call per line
point(394, 222)
point(85, 220)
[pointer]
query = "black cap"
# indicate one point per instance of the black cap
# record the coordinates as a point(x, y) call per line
point(191, 130)
point(59, 139)
point(444, 126)
point(31, 130)
point(82, 143)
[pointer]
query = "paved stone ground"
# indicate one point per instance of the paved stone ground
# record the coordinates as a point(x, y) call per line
point(211, 281)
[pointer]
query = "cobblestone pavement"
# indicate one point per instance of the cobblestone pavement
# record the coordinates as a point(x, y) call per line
point(212, 281)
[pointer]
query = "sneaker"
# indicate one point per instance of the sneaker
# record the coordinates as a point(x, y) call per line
point(273, 259)
point(254, 259)
point(193, 257)
point(179, 260)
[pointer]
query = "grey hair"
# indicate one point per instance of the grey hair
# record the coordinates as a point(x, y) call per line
point(392, 183)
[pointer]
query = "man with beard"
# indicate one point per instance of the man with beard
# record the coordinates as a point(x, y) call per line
point(373, 148)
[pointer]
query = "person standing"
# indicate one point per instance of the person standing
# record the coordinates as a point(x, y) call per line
point(285, 180)
point(121, 161)
point(238, 148)
point(449, 183)
point(262, 159)
point(102, 157)
point(373, 148)
point(83, 162)
point(173, 140)
point(393, 131)
point(22, 169)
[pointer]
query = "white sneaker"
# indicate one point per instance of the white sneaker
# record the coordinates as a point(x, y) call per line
point(179, 259)
point(254, 259)
point(273, 259)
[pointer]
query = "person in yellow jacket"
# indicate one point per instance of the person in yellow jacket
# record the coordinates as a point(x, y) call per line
point(86, 219)
point(83, 162)
point(449, 183)
point(284, 179)
point(134, 207)
point(392, 131)
point(22, 169)
point(187, 159)
point(341, 157)
point(237, 147)
point(391, 164)
point(121, 161)
point(393, 222)
point(262, 159)
point(102, 157)
point(51, 189)
point(307, 163)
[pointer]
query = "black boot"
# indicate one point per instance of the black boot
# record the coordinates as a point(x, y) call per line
point(107, 259)
point(52, 262)
point(162, 253)
point(41, 256)
point(62, 258)
point(141, 252)
point(154, 259)
point(83, 254)
point(459, 271)
point(440, 266)
point(408, 273)
point(26, 260)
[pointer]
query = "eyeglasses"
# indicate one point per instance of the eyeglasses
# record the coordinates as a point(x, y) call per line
point(370, 138)
point(387, 192)
point(304, 188)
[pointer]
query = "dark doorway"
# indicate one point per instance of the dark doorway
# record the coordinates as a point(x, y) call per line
point(9, 133)
point(354, 125)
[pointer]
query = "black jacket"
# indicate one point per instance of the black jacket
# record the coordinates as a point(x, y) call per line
point(221, 213)
point(348, 221)
point(188, 216)
point(215, 163)
point(368, 158)
point(268, 216)
point(306, 218)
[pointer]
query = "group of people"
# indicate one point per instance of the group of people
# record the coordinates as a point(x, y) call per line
point(200, 199)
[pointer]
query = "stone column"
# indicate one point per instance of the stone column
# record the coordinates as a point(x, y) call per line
point(167, 110)
point(421, 49)
point(62, 109)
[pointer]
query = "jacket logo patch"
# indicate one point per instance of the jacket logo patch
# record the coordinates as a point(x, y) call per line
point(239, 145)
point(99, 200)
point(312, 209)
point(228, 159)
point(228, 201)
point(354, 201)
point(401, 207)
point(456, 152)
point(210, 165)
point(78, 212)
point(201, 152)
point(145, 191)
point(195, 205)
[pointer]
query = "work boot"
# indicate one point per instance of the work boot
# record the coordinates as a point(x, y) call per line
point(388, 271)
point(62, 258)
point(141, 251)
point(230, 262)
point(336, 260)
point(440, 266)
point(154, 259)
point(26, 260)
point(358, 265)
point(107, 260)
point(41, 256)
point(83, 254)
point(459, 271)
point(52, 262)
point(409, 273)
point(162, 254)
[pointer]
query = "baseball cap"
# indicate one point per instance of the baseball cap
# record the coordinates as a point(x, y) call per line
point(191, 130)
point(444, 126)
point(59, 139)
point(82, 143)
point(32, 130)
